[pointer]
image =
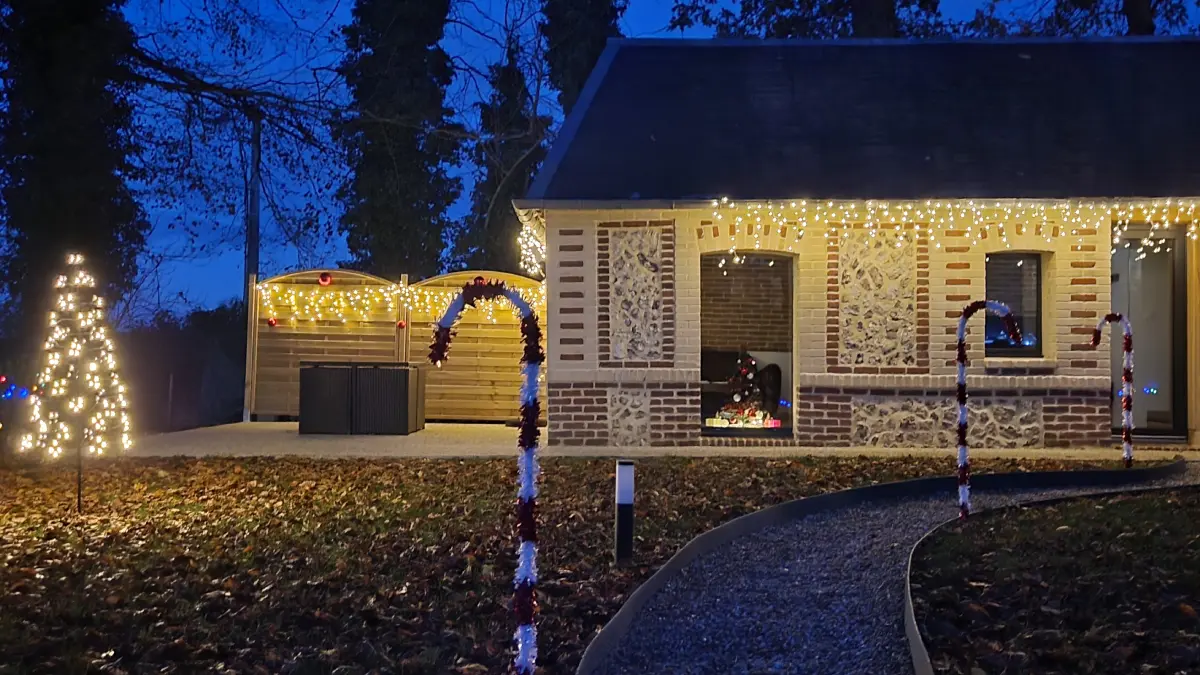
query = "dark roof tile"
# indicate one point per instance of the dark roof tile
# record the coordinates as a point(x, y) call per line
point(678, 120)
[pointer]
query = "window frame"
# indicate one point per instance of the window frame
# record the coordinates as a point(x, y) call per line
point(1036, 351)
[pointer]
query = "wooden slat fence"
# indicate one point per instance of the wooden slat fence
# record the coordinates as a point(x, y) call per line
point(479, 382)
point(481, 379)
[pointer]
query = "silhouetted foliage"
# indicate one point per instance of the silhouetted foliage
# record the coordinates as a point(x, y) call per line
point(576, 32)
point(507, 154)
point(398, 137)
point(67, 154)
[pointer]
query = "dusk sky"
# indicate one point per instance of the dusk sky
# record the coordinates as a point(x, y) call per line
point(217, 276)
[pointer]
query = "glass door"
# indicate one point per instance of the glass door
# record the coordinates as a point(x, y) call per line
point(1148, 283)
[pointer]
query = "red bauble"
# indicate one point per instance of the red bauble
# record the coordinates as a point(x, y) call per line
point(272, 322)
point(401, 324)
point(325, 278)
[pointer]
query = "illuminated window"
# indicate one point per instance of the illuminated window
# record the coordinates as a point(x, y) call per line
point(1016, 280)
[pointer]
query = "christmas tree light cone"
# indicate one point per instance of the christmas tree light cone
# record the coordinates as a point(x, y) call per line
point(80, 404)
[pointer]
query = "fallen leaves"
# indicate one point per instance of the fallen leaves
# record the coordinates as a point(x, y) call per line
point(1092, 586)
point(353, 566)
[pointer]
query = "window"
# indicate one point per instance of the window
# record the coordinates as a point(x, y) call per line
point(1016, 280)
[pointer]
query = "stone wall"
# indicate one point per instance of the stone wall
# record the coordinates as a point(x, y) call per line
point(878, 311)
point(926, 418)
point(746, 306)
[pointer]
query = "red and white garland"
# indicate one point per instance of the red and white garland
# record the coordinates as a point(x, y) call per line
point(964, 460)
point(525, 579)
point(1126, 381)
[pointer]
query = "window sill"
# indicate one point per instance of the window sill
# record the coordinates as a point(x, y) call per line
point(1009, 363)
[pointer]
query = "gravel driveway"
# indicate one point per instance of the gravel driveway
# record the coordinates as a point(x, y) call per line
point(823, 595)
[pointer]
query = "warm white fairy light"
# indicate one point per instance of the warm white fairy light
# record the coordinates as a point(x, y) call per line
point(286, 302)
point(79, 397)
point(533, 251)
point(959, 222)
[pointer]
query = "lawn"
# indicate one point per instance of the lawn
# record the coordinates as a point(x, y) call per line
point(1094, 586)
point(309, 566)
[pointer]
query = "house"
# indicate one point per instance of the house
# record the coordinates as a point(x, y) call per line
point(829, 208)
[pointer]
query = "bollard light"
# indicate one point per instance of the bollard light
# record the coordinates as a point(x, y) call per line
point(624, 520)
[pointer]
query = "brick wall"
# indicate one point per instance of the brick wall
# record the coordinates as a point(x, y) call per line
point(1075, 293)
point(950, 273)
point(746, 306)
point(1078, 417)
point(578, 413)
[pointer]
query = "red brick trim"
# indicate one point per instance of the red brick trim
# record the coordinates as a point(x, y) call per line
point(832, 306)
point(922, 304)
point(604, 293)
point(570, 286)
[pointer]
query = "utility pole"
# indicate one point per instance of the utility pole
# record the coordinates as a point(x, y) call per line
point(252, 195)
point(251, 273)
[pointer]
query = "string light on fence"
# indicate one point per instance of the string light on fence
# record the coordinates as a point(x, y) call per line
point(286, 302)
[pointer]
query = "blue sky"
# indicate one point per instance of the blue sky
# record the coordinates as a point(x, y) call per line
point(217, 276)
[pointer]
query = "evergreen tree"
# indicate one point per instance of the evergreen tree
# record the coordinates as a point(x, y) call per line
point(510, 149)
point(67, 152)
point(398, 137)
point(576, 32)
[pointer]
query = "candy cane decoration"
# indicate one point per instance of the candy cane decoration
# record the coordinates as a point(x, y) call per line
point(525, 579)
point(964, 460)
point(1126, 381)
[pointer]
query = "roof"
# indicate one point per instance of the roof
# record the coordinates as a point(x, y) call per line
point(679, 120)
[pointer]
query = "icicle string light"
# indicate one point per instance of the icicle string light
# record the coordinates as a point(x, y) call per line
point(80, 399)
point(525, 578)
point(970, 221)
point(964, 459)
point(1126, 380)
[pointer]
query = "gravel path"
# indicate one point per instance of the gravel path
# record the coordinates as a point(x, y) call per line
point(823, 595)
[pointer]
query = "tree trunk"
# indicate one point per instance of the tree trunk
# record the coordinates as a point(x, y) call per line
point(1139, 14)
point(877, 18)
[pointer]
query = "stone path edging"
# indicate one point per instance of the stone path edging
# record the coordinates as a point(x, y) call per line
point(922, 664)
point(609, 638)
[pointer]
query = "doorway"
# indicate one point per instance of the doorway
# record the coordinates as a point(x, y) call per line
point(746, 344)
point(1148, 287)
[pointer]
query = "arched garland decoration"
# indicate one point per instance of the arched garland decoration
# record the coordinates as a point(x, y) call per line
point(964, 460)
point(525, 579)
point(1126, 381)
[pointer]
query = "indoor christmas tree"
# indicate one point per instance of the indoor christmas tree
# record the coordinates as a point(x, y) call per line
point(79, 406)
point(746, 407)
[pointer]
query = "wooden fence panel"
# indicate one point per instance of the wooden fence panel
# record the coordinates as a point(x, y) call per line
point(481, 378)
point(479, 382)
point(366, 334)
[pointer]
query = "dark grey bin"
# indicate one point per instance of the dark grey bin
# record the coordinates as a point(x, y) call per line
point(325, 392)
point(388, 398)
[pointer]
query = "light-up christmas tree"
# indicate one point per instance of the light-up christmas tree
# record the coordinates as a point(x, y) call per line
point(79, 406)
